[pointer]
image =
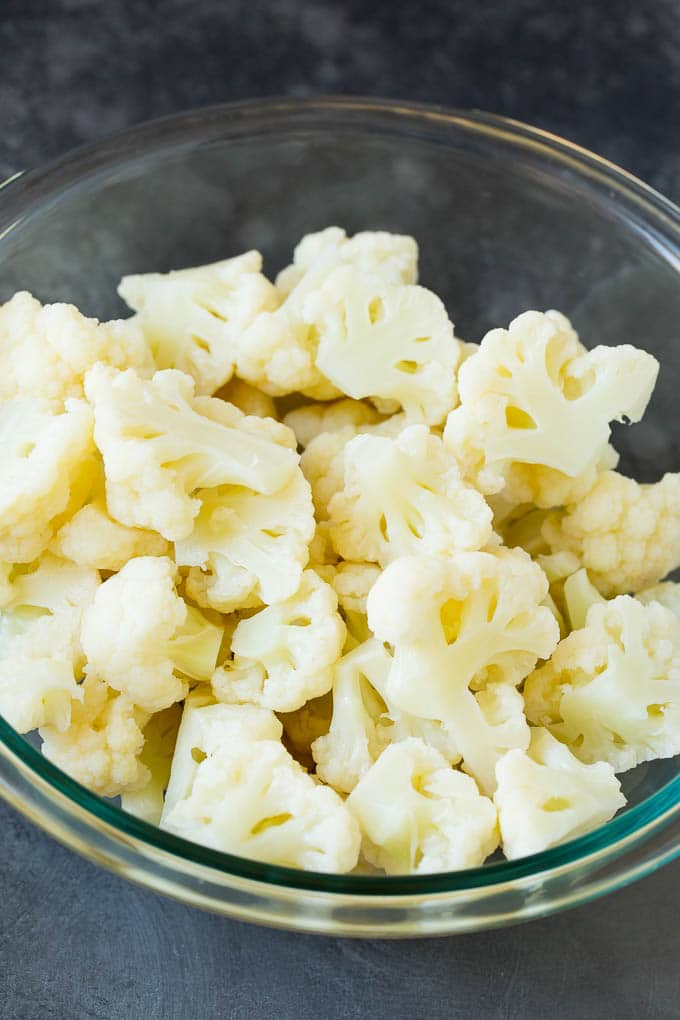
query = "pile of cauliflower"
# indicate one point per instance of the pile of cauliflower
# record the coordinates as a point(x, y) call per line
point(301, 576)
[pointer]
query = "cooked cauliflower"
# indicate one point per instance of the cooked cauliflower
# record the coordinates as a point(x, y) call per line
point(160, 737)
point(41, 659)
point(627, 535)
point(161, 445)
point(246, 547)
point(418, 815)
point(312, 420)
point(45, 350)
point(103, 742)
point(192, 318)
point(545, 796)
point(305, 725)
point(403, 497)
point(473, 620)
point(284, 654)
point(43, 447)
point(352, 583)
point(611, 691)
point(241, 792)
point(389, 341)
point(143, 640)
point(533, 395)
point(667, 594)
point(247, 398)
point(393, 256)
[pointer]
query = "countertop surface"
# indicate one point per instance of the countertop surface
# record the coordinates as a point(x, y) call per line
point(77, 942)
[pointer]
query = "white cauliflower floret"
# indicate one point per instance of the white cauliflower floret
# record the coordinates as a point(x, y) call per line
point(278, 351)
point(546, 796)
point(91, 538)
point(402, 497)
point(473, 620)
point(314, 419)
point(160, 737)
point(160, 445)
point(284, 655)
point(41, 659)
point(627, 535)
point(393, 256)
point(388, 341)
point(45, 351)
point(611, 691)
point(192, 318)
point(248, 399)
point(43, 448)
point(242, 793)
point(352, 583)
point(101, 747)
point(418, 815)
point(248, 548)
point(666, 594)
point(533, 395)
point(364, 722)
point(142, 639)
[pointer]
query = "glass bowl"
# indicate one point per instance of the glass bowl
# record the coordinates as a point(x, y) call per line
point(508, 218)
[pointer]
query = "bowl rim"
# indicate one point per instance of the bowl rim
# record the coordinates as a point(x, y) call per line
point(30, 190)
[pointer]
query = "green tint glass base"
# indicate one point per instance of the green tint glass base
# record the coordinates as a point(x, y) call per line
point(508, 218)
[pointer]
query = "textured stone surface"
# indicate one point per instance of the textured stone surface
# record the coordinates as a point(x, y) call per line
point(76, 942)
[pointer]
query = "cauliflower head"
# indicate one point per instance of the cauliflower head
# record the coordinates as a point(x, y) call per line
point(667, 594)
point(101, 746)
point(611, 691)
point(192, 318)
point(387, 341)
point(247, 398)
point(532, 395)
point(404, 497)
point(161, 445)
point(476, 621)
point(45, 350)
point(246, 547)
point(284, 654)
point(627, 535)
point(312, 420)
point(41, 659)
point(244, 794)
point(143, 640)
point(545, 796)
point(44, 446)
point(418, 815)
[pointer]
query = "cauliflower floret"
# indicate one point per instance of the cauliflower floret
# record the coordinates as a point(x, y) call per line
point(393, 256)
point(248, 548)
point(91, 538)
point(378, 339)
point(352, 583)
point(45, 351)
point(473, 620)
point(402, 497)
point(305, 725)
point(627, 535)
point(667, 594)
point(248, 399)
point(611, 691)
point(278, 351)
point(143, 640)
point(160, 737)
point(418, 815)
point(101, 747)
point(192, 318)
point(546, 796)
point(283, 655)
point(160, 445)
point(241, 792)
point(314, 419)
point(43, 447)
point(40, 655)
point(533, 395)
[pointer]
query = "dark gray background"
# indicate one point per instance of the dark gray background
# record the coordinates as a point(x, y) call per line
point(76, 942)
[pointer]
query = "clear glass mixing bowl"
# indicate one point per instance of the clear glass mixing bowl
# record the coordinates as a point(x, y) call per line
point(508, 218)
